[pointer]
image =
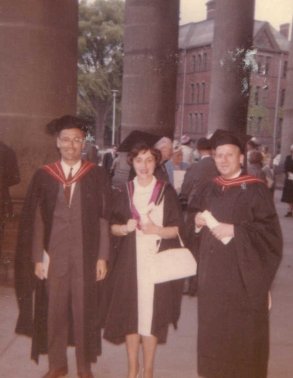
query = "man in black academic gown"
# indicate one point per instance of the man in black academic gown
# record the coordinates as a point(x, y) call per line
point(62, 250)
point(240, 251)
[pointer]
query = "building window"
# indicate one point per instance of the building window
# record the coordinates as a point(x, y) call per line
point(197, 93)
point(279, 128)
point(260, 64)
point(251, 124)
point(282, 97)
point(256, 95)
point(258, 125)
point(199, 62)
point(285, 68)
point(267, 65)
point(196, 122)
point(205, 61)
point(203, 86)
point(193, 63)
point(201, 126)
point(190, 120)
point(192, 93)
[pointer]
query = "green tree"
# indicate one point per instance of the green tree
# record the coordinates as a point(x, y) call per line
point(100, 63)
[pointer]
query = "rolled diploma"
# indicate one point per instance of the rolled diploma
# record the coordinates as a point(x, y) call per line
point(212, 223)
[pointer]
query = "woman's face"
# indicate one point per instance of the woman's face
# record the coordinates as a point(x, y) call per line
point(144, 165)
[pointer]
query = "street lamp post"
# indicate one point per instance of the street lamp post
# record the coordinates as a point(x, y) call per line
point(277, 104)
point(114, 92)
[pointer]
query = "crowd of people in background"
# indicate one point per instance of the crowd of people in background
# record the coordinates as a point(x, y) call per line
point(180, 159)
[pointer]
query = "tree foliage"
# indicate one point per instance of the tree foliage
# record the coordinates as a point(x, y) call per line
point(100, 61)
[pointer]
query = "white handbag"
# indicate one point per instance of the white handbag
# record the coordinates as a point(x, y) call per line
point(173, 264)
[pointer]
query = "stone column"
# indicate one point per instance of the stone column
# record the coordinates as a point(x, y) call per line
point(287, 129)
point(150, 66)
point(38, 68)
point(38, 76)
point(233, 35)
point(149, 71)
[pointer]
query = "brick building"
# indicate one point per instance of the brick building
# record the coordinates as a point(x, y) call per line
point(267, 81)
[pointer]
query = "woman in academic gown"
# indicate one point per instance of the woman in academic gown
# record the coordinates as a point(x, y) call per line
point(146, 218)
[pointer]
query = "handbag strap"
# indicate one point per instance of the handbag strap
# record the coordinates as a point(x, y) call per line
point(180, 241)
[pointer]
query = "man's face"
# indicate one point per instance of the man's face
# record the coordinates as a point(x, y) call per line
point(228, 160)
point(166, 151)
point(70, 143)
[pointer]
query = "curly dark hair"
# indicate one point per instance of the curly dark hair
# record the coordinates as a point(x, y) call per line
point(66, 122)
point(143, 147)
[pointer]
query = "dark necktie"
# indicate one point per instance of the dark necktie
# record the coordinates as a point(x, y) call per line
point(67, 188)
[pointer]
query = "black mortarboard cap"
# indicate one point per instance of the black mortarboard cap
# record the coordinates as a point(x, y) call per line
point(65, 122)
point(221, 137)
point(136, 137)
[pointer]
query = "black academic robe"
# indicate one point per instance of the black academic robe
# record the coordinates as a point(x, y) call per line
point(234, 280)
point(287, 194)
point(9, 175)
point(95, 204)
point(122, 313)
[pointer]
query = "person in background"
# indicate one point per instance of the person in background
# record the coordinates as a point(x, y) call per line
point(176, 168)
point(108, 159)
point(268, 171)
point(199, 174)
point(255, 165)
point(266, 155)
point(92, 153)
point(187, 150)
point(147, 218)
point(197, 177)
point(62, 251)
point(251, 145)
point(9, 176)
point(287, 194)
point(240, 251)
point(165, 146)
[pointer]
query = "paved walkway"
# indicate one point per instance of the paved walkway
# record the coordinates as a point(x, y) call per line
point(176, 359)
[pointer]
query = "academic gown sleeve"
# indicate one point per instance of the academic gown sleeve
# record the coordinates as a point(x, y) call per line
point(258, 244)
point(24, 268)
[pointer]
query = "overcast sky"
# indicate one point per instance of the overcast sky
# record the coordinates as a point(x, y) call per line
point(277, 12)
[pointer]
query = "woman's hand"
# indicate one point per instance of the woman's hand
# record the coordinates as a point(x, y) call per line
point(150, 228)
point(101, 270)
point(124, 229)
point(131, 225)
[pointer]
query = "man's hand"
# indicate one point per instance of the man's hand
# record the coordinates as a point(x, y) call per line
point(199, 220)
point(40, 270)
point(223, 230)
point(101, 270)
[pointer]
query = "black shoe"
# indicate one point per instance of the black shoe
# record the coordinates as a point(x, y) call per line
point(289, 214)
point(56, 373)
